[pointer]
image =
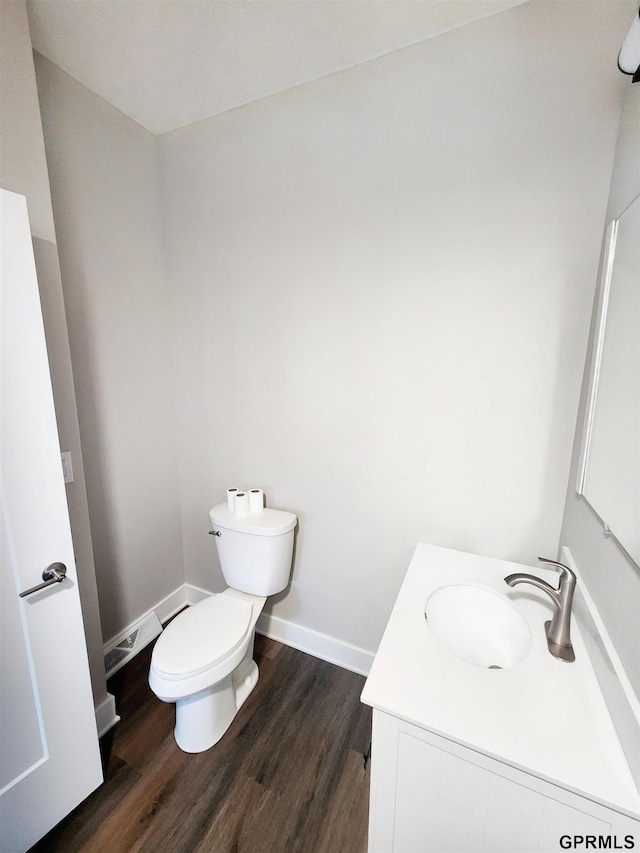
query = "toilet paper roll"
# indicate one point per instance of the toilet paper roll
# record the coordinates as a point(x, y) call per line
point(241, 503)
point(230, 495)
point(256, 500)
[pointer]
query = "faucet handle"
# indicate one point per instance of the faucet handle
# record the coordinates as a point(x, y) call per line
point(565, 571)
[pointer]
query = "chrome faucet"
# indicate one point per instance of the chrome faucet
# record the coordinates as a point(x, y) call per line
point(558, 628)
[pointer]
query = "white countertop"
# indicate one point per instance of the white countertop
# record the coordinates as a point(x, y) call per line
point(544, 716)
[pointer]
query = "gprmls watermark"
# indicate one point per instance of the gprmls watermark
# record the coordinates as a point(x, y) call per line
point(597, 842)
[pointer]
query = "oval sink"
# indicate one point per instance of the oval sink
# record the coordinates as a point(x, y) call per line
point(478, 626)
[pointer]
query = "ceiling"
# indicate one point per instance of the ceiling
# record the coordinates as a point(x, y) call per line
point(168, 63)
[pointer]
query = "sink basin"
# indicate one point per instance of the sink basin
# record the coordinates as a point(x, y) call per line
point(478, 625)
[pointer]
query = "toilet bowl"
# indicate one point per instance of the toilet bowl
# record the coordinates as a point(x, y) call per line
point(203, 660)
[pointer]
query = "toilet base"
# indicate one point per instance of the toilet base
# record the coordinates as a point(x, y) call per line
point(202, 719)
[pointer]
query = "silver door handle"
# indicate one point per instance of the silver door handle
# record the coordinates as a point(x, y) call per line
point(55, 573)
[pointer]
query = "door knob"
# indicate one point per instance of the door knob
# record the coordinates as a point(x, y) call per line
point(55, 573)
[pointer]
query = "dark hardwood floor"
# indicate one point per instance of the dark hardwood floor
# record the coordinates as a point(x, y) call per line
point(287, 776)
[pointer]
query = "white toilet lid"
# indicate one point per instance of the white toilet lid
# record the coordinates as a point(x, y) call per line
point(201, 636)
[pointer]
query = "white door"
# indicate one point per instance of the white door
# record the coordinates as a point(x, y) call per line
point(49, 755)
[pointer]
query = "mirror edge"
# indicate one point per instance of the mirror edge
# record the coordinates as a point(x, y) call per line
point(596, 355)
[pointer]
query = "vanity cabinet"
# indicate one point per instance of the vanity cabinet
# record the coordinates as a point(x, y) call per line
point(429, 794)
point(468, 758)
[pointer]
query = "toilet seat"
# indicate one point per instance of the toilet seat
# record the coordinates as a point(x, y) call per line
point(201, 637)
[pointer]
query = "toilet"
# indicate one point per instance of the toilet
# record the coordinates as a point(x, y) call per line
point(203, 660)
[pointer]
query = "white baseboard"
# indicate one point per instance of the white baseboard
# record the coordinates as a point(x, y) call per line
point(316, 644)
point(194, 594)
point(164, 610)
point(179, 598)
point(298, 637)
point(172, 604)
point(106, 716)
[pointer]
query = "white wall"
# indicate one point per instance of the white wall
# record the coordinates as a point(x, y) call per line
point(23, 169)
point(106, 200)
point(380, 289)
point(612, 576)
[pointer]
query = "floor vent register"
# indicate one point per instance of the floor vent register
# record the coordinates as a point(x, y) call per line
point(122, 648)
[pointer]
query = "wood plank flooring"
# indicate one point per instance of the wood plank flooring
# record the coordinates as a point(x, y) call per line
point(287, 776)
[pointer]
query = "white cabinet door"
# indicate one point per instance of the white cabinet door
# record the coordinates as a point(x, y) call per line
point(446, 804)
point(49, 754)
point(431, 795)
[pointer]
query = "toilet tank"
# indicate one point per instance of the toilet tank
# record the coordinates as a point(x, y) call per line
point(255, 549)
